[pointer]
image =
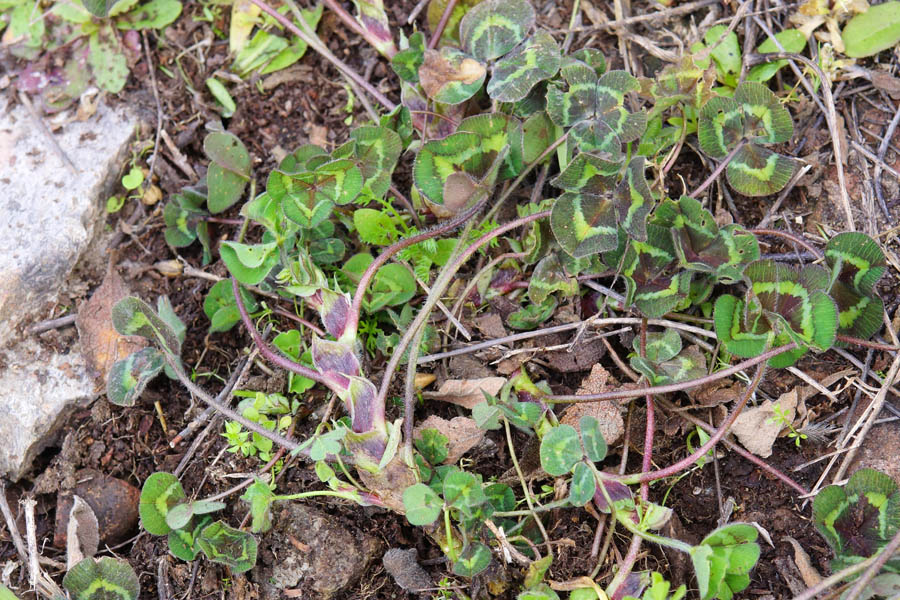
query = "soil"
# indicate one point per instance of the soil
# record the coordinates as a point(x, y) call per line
point(309, 106)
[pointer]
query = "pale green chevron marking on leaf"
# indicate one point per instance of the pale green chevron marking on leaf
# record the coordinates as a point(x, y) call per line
point(595, 136)
point(701, 245)
point(856, 263)
point(592, 58)
point(612, 87)
point(593, 107)
point(660, 345)
point(133, 316)
point(499, 131)
point(549, 277)
point(757, 171)
point(577, 99)
point(224, 544)
point(651, 281)
point(732, 330)
point(406, 63)
point(104, 579)
point(376, 152)
point(720, 126)
point(856, 259)
point(588, 173)
point(129, 377)
point(753, 117)
point(517, 73)
point(584, 224)
point(494, 27)
point(783, 303)
point(765, 119)
point(859, 520)
point(634, 200)
point(438, 159)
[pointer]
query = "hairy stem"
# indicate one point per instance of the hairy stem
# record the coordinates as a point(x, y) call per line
point(790, 237)
point(437, 289)
point(442, 24)
point(276, 438)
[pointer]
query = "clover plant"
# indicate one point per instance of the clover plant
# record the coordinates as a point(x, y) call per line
point(165, 510)
point(859, 519)
point(325, 227)
point(88, 36)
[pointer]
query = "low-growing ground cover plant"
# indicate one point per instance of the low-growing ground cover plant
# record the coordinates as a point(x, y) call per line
point(479, 117)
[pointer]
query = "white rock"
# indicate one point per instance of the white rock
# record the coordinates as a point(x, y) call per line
point(48, 214)
point(38, 391)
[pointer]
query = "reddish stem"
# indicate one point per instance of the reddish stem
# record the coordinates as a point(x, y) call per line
point(791, 237)
point(718, 170)
point(342, 66)
point(647, 460)
point(732, 446)
point(381, 259)
point(442, 24)
point(866, 343)
point(361, 31)
point(672, 387)
point(702, 450)
point(272, 356)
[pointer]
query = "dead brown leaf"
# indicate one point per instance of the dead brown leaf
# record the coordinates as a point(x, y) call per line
point(757, 428)
point(462, 434)
point(437, 71)
point(608, 416)
point(101, 344)
point(466, 392)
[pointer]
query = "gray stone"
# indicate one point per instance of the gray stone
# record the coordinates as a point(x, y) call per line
point(38, 391)
point(404, 567)
point(48, 213)
point(312, 551)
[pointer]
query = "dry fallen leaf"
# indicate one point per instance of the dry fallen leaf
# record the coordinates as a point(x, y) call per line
point(466, 392)
point(462, 434)
point(757, 427)
point(607, 414)
point(101, 344)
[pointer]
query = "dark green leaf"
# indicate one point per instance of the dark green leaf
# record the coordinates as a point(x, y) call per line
point(228, 546)
point(104, 579)
point(494, 27)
